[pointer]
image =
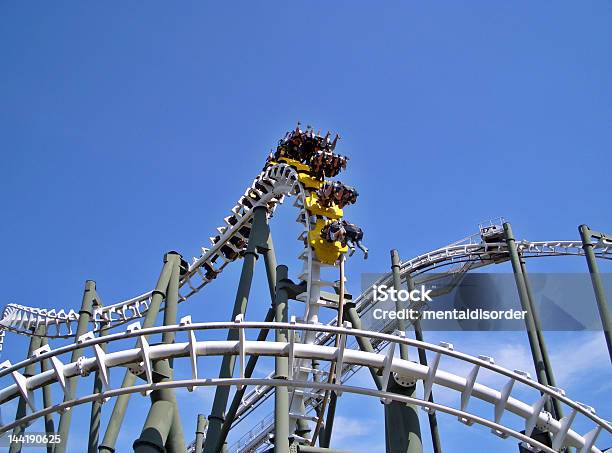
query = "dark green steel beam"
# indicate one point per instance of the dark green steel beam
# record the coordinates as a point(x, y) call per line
point(550, 375)
point(96, 405)
point(431, 416)
point(257, 240)
point(85, 314)
point(121, 402)
point(200, 430)
point(270, 264)
point(47, 396)
point(326, 433)
point(397, 285)
point(402, 427)
point(156, 436)
point(600, 296)
point(281, 367)
point(363, 342)
point(534, 344)
point(29, 371)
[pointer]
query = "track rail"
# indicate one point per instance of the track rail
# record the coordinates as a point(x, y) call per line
point(268, 189)
point(464, 255)
point(466, 385)
point(23, 319)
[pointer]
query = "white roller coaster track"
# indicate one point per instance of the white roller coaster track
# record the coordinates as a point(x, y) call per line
point(531, 415)
point(269, 189)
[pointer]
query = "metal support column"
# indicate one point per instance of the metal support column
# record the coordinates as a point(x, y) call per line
point(257, 239)
point(431, 416)
point(397, 285)
point(29, 371)
point(550, 375)
point(121, 402)
point(85, 314)
point(281, 366)
point(96, 405)
point(270, 263)
point(200, 429)
point(327, 430)
point(402, 427)
point(363, 342)
point(521, 286)
point(600, 296)
point(176, 439)
point(47, 396)
point(157, 434)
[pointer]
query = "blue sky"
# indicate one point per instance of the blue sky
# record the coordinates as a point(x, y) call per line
point(130, 130)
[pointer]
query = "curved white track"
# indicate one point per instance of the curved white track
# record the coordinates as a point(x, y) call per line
point(501, 400)
point(269, 189)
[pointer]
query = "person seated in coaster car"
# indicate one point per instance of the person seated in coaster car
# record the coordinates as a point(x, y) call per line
point(349, 196)
point(303, 145)
point(336, 192)
point(316, 164)
point(348, 234)
point(354, 236)
point(290, 145)
point(334, 231)
point(326, 164)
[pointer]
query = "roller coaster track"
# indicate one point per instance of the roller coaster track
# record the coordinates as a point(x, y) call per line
point(269, 189)
point(528, 415)
point(463, 255)
point(23, 319)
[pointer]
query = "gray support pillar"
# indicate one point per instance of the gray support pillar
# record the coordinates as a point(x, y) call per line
point(156, 436)
point(558, 411)
point(85, 314)
point(257, 239)
point(248, 372)
point(326, 433)
point(270, 263)
point(431, 416)
point(281, 367)
point(96, 405)
point(397, 285)
point(402, 429)
point(29, 371)
point(156, 427)
point(200, 430)
point(600, 296)
point(176, 439)
point(47, 396)
point(364, 343)
point(121, 402)
point(536, 352)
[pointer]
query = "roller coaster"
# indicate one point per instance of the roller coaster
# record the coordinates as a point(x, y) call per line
point(314, 361)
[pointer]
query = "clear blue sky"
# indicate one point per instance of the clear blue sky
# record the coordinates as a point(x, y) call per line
point(130, 130)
